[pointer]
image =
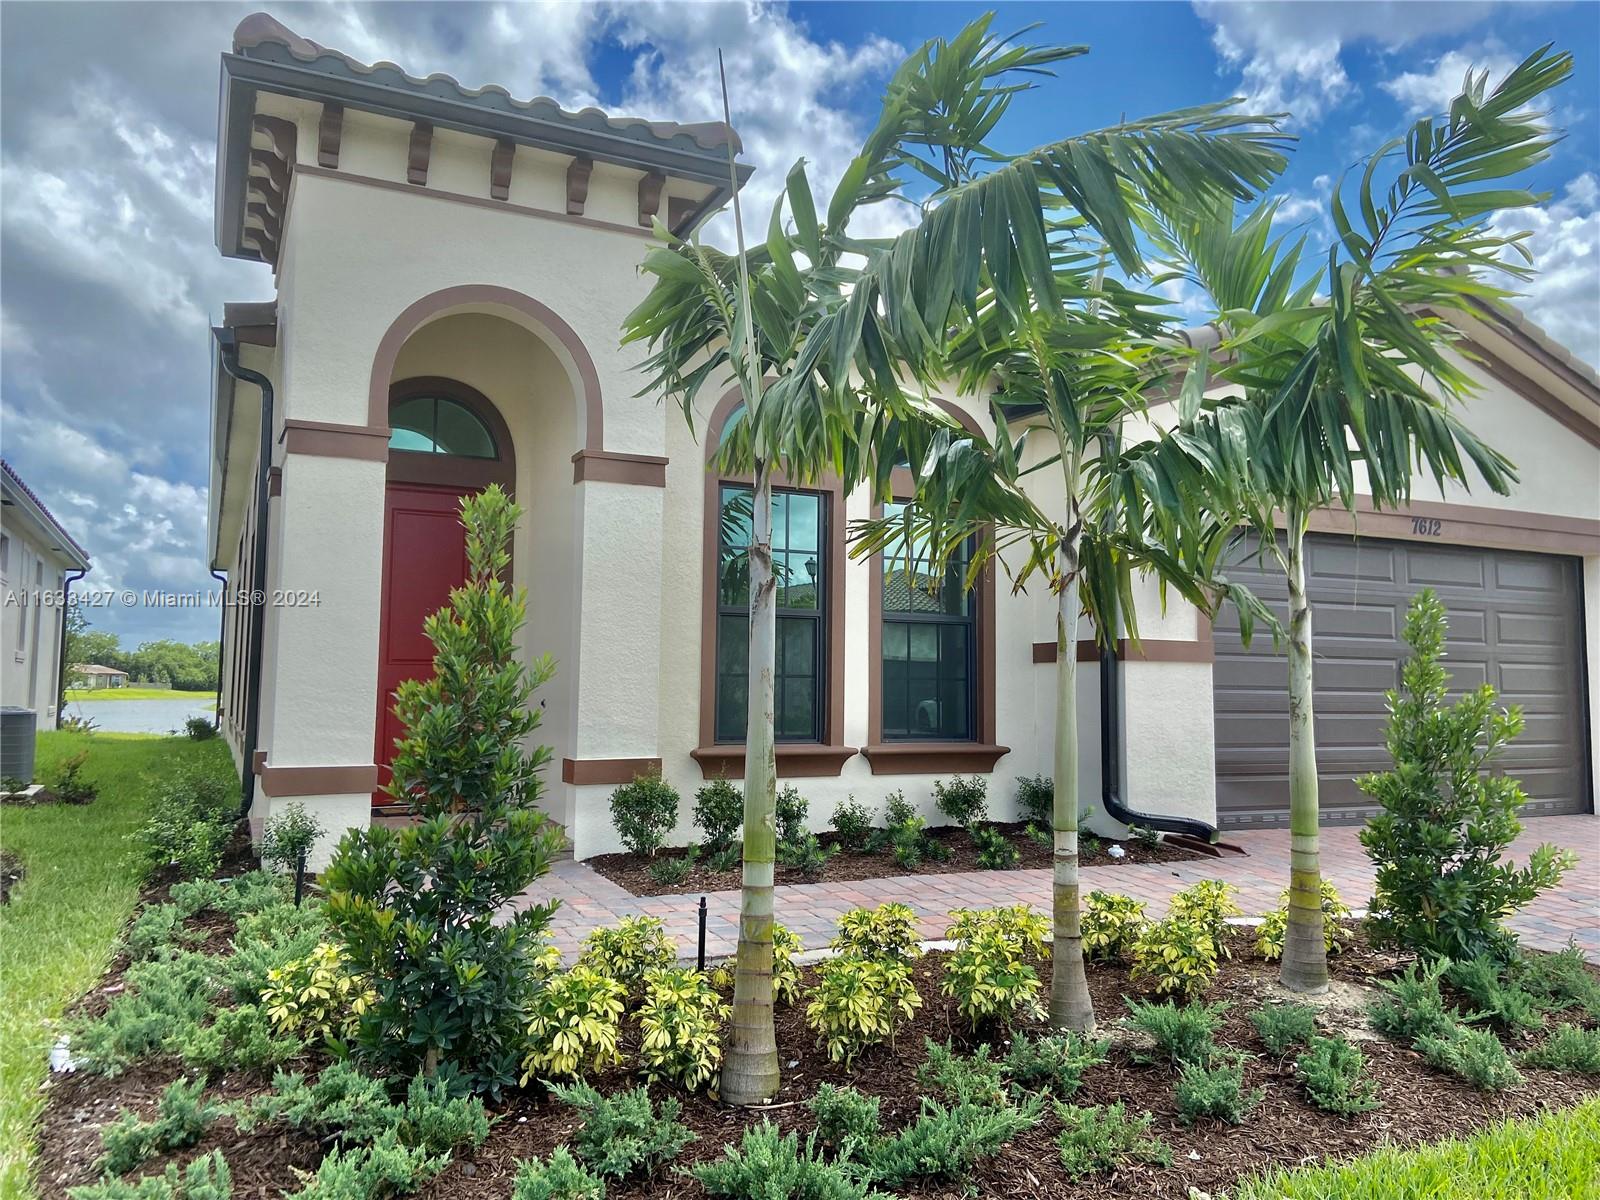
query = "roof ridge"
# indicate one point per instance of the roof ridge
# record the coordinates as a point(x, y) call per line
point(261, 28)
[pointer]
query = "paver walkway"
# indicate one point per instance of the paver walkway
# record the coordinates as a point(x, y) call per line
point(811, 910)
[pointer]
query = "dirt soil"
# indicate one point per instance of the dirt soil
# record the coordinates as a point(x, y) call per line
point(1419, 1104)
point(632, 871)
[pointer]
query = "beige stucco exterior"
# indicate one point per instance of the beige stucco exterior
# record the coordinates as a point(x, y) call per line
point(370, 275)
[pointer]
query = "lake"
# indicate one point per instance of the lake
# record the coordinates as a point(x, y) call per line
point(144, 716)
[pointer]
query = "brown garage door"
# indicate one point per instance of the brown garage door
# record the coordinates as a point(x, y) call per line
point(1515, 621)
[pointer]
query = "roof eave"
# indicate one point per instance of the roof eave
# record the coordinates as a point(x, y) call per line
point(242, 77)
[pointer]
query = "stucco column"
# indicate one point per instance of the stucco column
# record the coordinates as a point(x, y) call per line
point(615, 700)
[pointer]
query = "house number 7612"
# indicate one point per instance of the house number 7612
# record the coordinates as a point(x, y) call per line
point(1427, 526)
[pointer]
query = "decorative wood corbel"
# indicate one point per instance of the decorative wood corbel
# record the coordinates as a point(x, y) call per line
point(421, 150)
point(650, 196)
point(329, 130)
point(578, 172)
point(500, 164)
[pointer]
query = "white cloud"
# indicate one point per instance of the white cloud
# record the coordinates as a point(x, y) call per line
point(1564, 297)
point(1287, 55)
point(1431, 91)
point(1297, 208)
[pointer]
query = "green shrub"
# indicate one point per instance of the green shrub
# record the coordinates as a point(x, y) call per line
point(343, 1104)
point(989, 980)
point(719, 813)
point(1475, 1055)
point(1208, 903)
point(645, 812)
point(727, 858)
point(162, 1001)
point(1561, 981)
point(791, 809)
point(805, 854)
point(156, 928)
point(68, 783)
point(946, 1143)
point(1275, 924)
point(318, 996)
point(268, 940)
point(964, 801)
point(1144, 835)
point(183, 1115)
point(191, 818)
point(372, 1171)
point(436, 1119)
point(965, 1079)
point(200, 729)
point(574, 1022)
point(1484, 980)
point(995, 851)
point(1446, 823)
point(1184, 1036)
point(852, 822)
point(422, 910)
point(289, 836)
point(905, 834)
point(1215, 1091)
point(1054, 1061)
point(859, 1002)
point(1099, 1139)
point(1282, 1026)
point(1412, 1006)
point(1569, 1048)
point(1178, 956)
point(768, 1165)
point(205, 1178)
point(846, 1120)
point(1036, 800)
point(237, 1039)
point(624, 1135)
point(1111, 925)
point(888, 931)
point(1334, 1073)
point(670, 872)
point(628, 950)
point(681, 1020)
point(561, 1178)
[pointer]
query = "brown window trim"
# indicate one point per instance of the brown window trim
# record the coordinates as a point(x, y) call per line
point(449, 470)
point(930, 758)
point(795, 759)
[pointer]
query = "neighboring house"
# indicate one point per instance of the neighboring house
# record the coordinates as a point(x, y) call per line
point(38, 559)
point(452, 267)
point(92, 676)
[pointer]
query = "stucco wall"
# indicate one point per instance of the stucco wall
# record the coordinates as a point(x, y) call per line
point(30, 634)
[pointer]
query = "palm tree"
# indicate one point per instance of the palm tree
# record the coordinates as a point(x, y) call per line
point(796, 311)
point(1354, 390)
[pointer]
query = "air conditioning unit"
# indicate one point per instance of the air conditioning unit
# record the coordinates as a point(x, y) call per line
point(17, 729)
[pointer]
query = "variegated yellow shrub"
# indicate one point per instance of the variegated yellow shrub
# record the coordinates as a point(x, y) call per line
point(317, 996)
point(576, 1018)
point(681, 1019)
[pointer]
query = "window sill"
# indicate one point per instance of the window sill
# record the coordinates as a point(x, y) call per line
point(804, 760)
point(928, 758)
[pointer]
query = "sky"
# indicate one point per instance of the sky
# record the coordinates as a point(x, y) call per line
point(109, 277)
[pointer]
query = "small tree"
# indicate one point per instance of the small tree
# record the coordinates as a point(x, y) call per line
point(416, 908)
point(1439, 844)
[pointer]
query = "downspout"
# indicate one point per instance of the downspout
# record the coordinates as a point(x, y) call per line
point(228, 347)
point(68, 578)
point(222, 624)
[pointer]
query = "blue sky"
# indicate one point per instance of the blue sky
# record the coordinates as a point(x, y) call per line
point(108, 276)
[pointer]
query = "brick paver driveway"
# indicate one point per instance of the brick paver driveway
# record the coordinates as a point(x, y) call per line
point(589, 899)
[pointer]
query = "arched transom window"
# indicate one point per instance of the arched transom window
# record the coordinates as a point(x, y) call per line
point(439, 425)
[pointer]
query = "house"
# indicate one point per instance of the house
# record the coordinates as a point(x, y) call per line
point(92, 676)
point(39, 560)
point(452, 267)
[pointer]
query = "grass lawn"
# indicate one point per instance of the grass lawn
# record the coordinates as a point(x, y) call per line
point(1553, 1157)
point(136, 693)
point(81, 881)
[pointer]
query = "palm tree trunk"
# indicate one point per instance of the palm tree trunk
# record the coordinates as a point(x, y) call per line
point(750, 1070)
point(1305, 955)
point(1071, 1006)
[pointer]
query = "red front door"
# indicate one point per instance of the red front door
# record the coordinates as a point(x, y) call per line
point(424, 556)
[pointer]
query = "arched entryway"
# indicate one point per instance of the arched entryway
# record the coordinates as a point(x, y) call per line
point(447, 440)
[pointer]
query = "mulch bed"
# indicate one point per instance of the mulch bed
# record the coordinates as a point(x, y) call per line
point(1419, 1104)
point(632, 871)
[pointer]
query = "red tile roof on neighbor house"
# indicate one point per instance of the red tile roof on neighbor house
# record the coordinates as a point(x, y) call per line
point(16, 481)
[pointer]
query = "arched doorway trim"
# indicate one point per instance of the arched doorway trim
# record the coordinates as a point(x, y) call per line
point(562, 339)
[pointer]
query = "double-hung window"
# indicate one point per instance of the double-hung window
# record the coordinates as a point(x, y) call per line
point(799, 533)
point(929, 646)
